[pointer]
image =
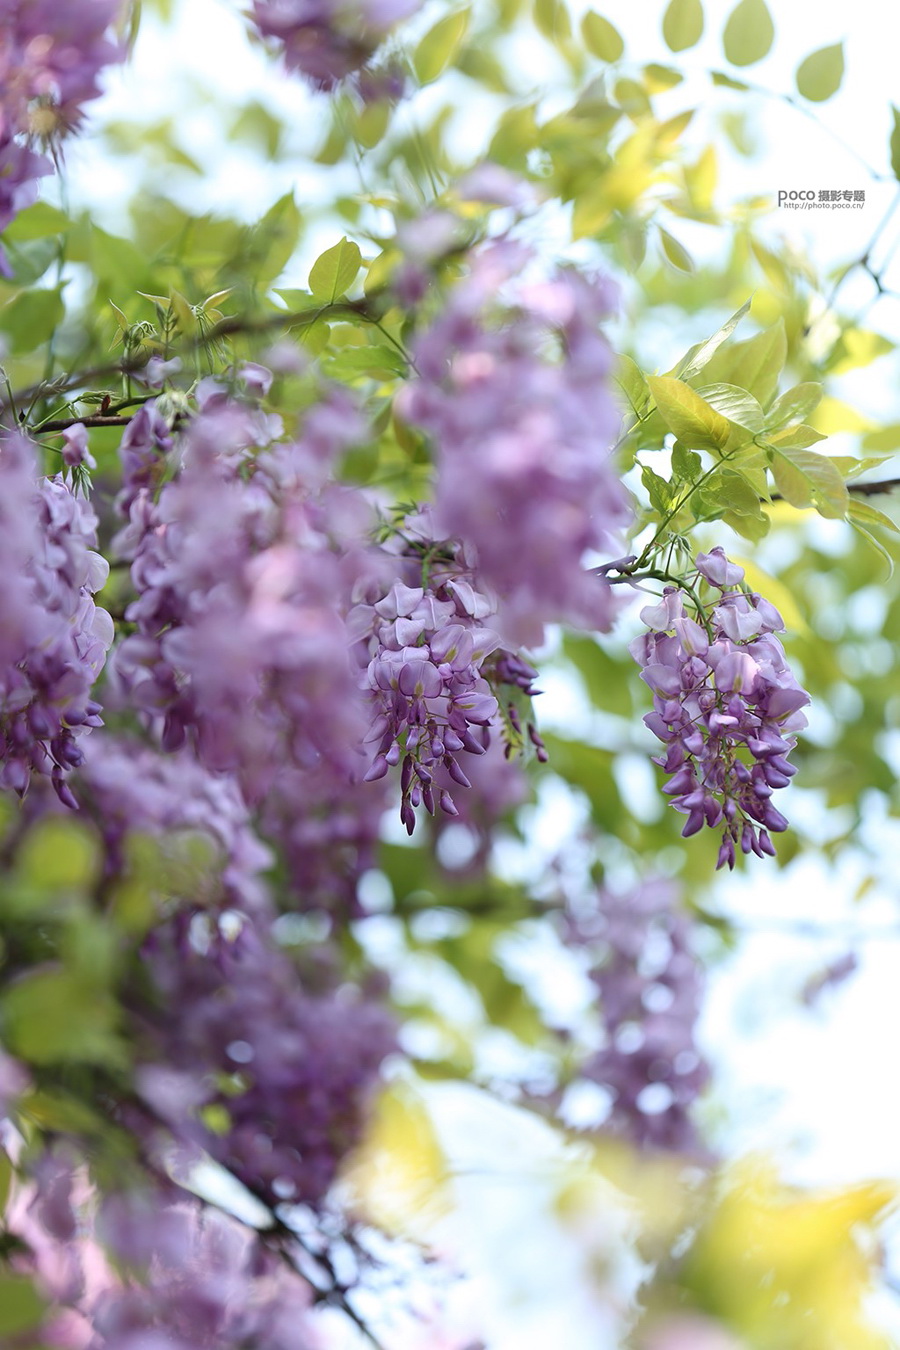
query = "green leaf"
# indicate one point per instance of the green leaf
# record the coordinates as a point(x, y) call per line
point(552, 19)
point(36, 222)
point(682, 24)
point(633, 383)
point(754, 365)
point(56, 1015)
point(806, 479)
point(602, 674)
point(863, 517)
point(31, 317)
point(272, 241)
point(335, 271)
point(676, 253)
point(820, 75)
point(857, 347)
point(794, 405)
point(657, 78)
point(797, 437)
point(735, 404)
point(895, 143)
point(724, 81)
point(697, 356)
point(749, 33)
point(29, 261)
point(378, 360)
point(21, 1307)
point(688, 415)
point(439, 46)
point(864, 513)
point(686, 464)
point(600, 37)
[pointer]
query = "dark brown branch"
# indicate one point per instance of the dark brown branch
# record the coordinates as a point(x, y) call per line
point(92, 420)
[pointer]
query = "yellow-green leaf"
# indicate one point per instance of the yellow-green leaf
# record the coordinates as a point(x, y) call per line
point(551, 18)
point(682, 24)
point(21, 1307)
point(858, 347)
point(439, 46)
point(735, 404)
point(749, 33)
point(895, 143)
point(688, 416)
point(754, 364)
point(863, 512)
point(600, 37)
point(335, 271)
point(806, 479)
point(657, 78)
point(676, 253)
point(696, 357)
point(820, 75)
point(794, 405)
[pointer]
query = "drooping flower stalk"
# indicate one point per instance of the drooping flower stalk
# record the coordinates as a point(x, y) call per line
point(726, 705)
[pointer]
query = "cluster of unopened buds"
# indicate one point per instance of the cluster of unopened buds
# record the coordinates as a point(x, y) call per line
point(725, 704)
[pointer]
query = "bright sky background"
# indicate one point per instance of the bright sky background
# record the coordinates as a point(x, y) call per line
point(818, 1087)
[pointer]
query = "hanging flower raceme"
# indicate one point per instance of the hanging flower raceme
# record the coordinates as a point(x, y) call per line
point(51, 55)
point(243, 568)
point(726, 705)
point(53, 638)
point(327, 40)
point(431, 686)
point(650, 984)
point(516, 399)
point(242, 1059)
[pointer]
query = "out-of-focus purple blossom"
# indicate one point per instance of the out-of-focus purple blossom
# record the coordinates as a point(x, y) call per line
point(726, 705)
point(13, 1082)
point(75, 452)
point(327, 40)
point(54, 638)
point(51, 55)
point(133, 789)
point(830, 977)
point(289, 1072)
point(650, 984)
point(146, 1270)
point(243, 570)
point(492, 184)
point(513, 388)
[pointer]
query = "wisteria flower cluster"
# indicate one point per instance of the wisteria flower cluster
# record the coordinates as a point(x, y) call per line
point(522, 438)
point(270, 1078)
point(327, 40)
point(147, 1271)
point(424, 649)
point(650, 984)
point(54, 638)
point(726, 705)
point(51, 55)
point(240, 649)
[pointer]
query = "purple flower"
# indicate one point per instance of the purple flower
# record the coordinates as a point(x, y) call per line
point(650, 984)
point(327, 40)
point(726, 705)
point(54, 638)
point(433, 672)
point(522, 437)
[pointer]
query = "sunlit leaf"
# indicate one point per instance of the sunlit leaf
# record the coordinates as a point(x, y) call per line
point(688, 416)
point(682, 24)
point(820, 75)
point(439, 46)
point(334, 271)
point(749, 33)
point(600, 37)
